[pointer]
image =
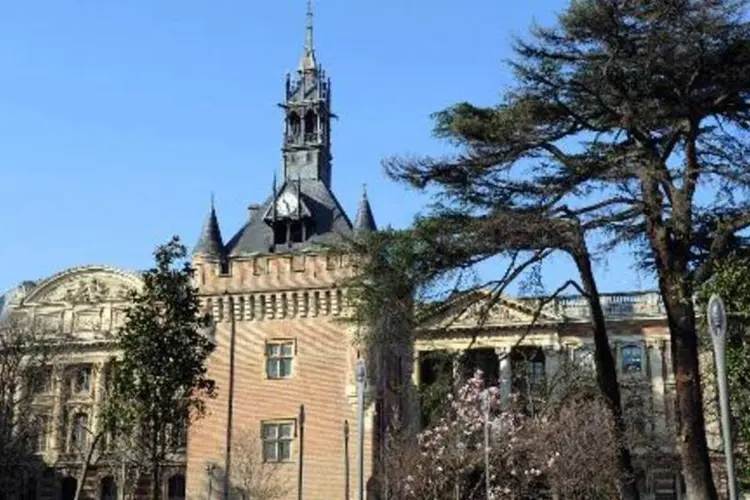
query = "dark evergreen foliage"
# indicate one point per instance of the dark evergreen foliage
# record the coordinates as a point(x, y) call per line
point(161, 381)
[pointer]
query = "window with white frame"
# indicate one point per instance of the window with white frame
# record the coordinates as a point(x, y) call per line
point(277, 440)
point(631, 358)
point(279, 357)
point(41, 432)
point(78, 431)
point(82, 380)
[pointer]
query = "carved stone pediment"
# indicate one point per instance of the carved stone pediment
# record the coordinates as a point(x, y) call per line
point(85, 286)
point(472, 312)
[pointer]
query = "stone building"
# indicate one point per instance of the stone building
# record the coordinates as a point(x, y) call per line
point(519, 352)
point(83, 306)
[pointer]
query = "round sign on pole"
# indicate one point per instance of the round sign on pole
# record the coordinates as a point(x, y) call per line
point(717, 316)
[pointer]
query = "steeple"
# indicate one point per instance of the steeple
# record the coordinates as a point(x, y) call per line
point(307, 116)
point(210, 243)
point(307, 63)
point(365, 221)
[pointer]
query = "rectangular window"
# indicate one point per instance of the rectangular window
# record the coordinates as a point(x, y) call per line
point(631, 358)
point(82, 380)
point(279, 356)
point(40, 380)
point(277, 441)
point(41, 432)
point(79, 430)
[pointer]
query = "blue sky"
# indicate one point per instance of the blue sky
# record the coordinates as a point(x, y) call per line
point(119, 118)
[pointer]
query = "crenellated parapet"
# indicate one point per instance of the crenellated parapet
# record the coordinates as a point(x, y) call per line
point(274, 272)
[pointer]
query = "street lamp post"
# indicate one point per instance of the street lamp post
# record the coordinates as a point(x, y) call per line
point(717, 325)
point(361, 427)
point(300, 473)
point(486, 408)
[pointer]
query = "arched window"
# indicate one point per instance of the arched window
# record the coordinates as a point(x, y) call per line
point(68, 488)
point(311, 124)
point(294, 125)
point(108, 488)
point(631, 358)
point(176, 487)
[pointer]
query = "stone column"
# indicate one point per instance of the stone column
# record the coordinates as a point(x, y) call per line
point(503, 354)
point(657, 387)
point(616, 353)
point(98, 373)
point(457, 372)
point(416, 372)
point(57, 431)
point(551, 366)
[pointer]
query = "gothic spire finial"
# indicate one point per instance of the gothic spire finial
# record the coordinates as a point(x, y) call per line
point(309, 27)
point(308, 56)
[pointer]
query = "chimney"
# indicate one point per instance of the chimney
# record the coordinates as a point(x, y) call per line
point(251, 210)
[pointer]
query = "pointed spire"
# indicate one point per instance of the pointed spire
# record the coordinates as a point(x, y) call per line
point(210, 242)
point(307, 63)
point(365, 221)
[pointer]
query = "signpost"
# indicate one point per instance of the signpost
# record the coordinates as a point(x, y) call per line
point(717, 326)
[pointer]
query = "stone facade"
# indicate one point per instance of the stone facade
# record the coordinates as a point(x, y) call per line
point(562, 333)
point(83, 306)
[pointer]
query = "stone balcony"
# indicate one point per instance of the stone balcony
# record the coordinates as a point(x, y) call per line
point(617, 306)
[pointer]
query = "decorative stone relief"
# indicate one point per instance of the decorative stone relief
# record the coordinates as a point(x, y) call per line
point(87, 290)
point(87, 321)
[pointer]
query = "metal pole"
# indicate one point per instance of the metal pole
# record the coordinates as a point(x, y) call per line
point(301, 450)
point(717, 325)
point(346, 460)
point(210, 473)
point(361, 428)
point(486, 407)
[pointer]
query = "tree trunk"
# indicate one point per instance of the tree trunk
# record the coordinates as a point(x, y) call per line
point(606, 374)
point(691, 429)
point(87, 465)
point(155, 481)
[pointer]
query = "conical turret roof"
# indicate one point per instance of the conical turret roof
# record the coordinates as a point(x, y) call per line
point(365, 221)
point(210, 242)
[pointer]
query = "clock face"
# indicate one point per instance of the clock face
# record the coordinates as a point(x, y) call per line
point(286, 204)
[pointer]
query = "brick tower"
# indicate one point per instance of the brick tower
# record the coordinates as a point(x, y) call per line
point(275, 295)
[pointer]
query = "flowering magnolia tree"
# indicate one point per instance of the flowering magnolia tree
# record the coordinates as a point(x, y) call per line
point(566, 446)
point(450, 459)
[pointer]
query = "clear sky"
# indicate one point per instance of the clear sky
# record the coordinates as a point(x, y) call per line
point(119, 118)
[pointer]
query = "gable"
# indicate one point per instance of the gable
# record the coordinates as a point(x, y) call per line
point(84, 285)
point(472, 312)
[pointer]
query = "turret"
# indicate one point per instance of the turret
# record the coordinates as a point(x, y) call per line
point(365, 221)
point(210, 246)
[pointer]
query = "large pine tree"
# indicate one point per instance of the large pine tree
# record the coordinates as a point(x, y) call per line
point(627, 124)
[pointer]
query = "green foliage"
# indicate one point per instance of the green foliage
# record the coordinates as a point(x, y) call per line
point(619, 115)
point(731, 281)
point(161, 380)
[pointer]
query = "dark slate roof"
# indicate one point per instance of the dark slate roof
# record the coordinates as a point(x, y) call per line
point(365, 221)
point(331, 223)
point(210, 242)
